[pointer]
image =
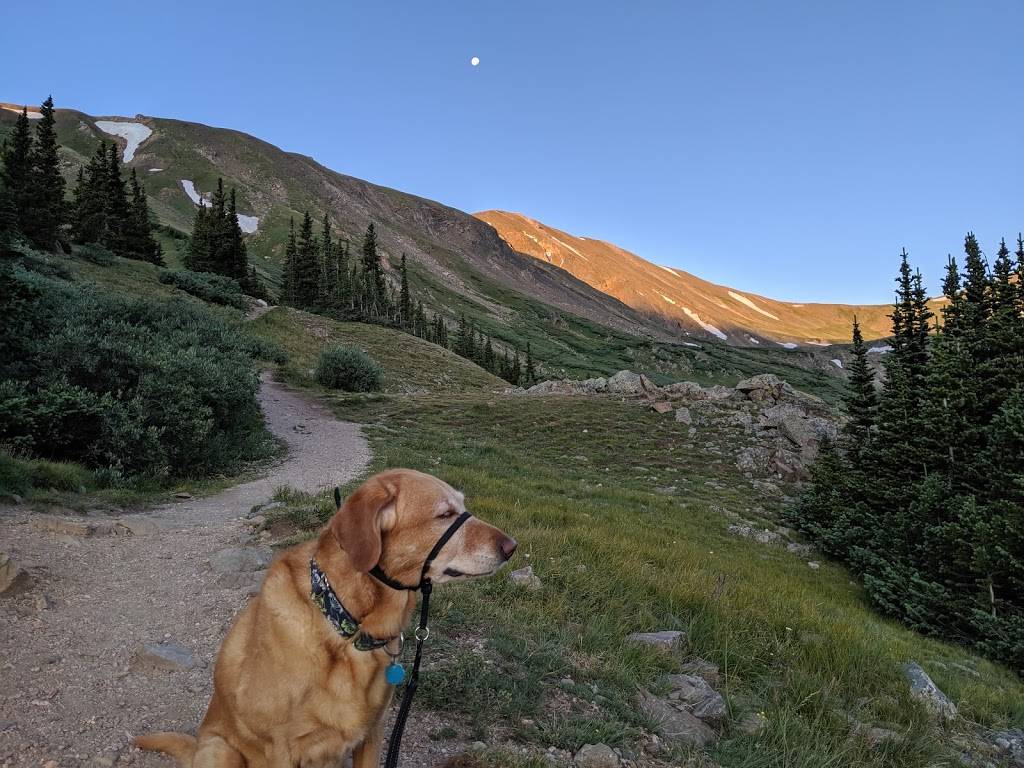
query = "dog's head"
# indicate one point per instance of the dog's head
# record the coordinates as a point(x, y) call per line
point(395, 518)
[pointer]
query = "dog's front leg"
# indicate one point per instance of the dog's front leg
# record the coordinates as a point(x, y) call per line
point(367, 754)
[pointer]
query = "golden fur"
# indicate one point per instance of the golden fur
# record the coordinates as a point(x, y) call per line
point(288, 689)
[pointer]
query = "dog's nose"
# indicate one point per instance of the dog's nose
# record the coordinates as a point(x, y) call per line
point(508, 546)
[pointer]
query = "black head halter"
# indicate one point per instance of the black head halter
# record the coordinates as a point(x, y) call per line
point(422, 632)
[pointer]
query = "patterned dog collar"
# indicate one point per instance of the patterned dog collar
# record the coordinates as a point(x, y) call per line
point(330, 606)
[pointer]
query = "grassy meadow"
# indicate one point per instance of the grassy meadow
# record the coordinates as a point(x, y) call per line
point(623, 517)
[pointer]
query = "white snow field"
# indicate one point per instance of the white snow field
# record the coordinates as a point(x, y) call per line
point(837, 362)
point(747, 302)
point(786, 344)
point(133, 133)
point(880, 350)
point(247, 224)
point(31, 115)
point(706, 326)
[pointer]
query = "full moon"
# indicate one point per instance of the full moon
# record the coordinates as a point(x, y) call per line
point(475, 60)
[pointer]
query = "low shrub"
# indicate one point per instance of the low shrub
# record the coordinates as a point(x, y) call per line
point(349, 369)
point(207, 286)
point(129, 386)
point(95, 253)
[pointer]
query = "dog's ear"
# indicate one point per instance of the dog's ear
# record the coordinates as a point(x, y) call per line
point(356, 526)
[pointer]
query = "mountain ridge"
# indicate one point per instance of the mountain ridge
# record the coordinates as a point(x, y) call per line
point(689, 302)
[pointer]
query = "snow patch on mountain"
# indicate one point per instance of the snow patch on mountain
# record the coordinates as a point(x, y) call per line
point(786, 344)
point(880, 350)
point(667, 269)
point(837, 362)
point(133, 133)
point(193, 193)
point(247, 224)
point(817, 343)
point(155, 170)
point(747, 302)
point(566, 245)
point(706, 326)
point(754, 340)
point(666, 298)
point(30, 115)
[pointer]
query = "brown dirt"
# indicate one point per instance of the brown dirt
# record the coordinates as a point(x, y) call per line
point(72, 691)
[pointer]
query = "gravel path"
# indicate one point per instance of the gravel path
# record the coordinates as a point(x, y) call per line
point(75, 688)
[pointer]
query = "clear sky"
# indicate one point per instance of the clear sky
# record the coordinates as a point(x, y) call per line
point(789, 149)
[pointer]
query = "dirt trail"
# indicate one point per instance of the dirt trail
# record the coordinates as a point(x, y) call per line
point(73, 692)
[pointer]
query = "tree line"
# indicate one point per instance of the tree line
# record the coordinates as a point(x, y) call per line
point(320, 275)
point(923, 495)
point(217, 244)
point(104, 209)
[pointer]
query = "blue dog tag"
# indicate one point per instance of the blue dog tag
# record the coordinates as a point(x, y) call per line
point(395, 673)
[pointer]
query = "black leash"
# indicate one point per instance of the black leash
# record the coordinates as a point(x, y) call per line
point(422, 633)
point(425, 587)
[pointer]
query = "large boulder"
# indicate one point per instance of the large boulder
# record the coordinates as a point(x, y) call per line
point(13, 578)
point(596, 756)
point(925, 690)
point(763, 387)
point(697, 696)
point(629, 383)
point(664, 640)
point(689, 390)
point(676, 725)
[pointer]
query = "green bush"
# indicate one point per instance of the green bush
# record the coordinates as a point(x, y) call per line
point(130, 386)
point(349, 369)
point(207, 286)
point(96, 253)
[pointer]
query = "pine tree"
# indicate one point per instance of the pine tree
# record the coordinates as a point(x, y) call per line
point(862, 401)
point(420, 321)
point(89, 217)
point(531, 372)
point(330, 277)
point(372, 270)
point(46, 210)
point(307, 267)
point(115, 203)
point(16, 177)
point(405, 318)
point(487, 359)
point(139, 241)
point(288, 275)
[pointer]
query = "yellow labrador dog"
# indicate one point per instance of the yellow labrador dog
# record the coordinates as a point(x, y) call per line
point(300, 678)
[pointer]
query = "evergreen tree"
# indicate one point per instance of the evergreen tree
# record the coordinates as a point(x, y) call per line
point(307, 268)
point(89, 216)
point(139, 241)
point(46, 212)
point(236, 257)
point(372, 270)
point(330, 279)
point(288, 273)
point(531, 371)
point(862, 402)
point(488, 356)
point(420, 321)
point(115, 203)
point(405, 317)
point(16, 177)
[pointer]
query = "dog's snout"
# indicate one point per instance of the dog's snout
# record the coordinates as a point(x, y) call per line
point(508, 547)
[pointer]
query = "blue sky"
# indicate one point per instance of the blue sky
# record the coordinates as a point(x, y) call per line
point(789, 149)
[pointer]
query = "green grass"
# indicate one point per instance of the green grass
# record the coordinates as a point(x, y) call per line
point(410, 364)
point(621, 515)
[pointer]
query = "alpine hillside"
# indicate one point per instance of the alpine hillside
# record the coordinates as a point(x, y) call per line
point(683, 300)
